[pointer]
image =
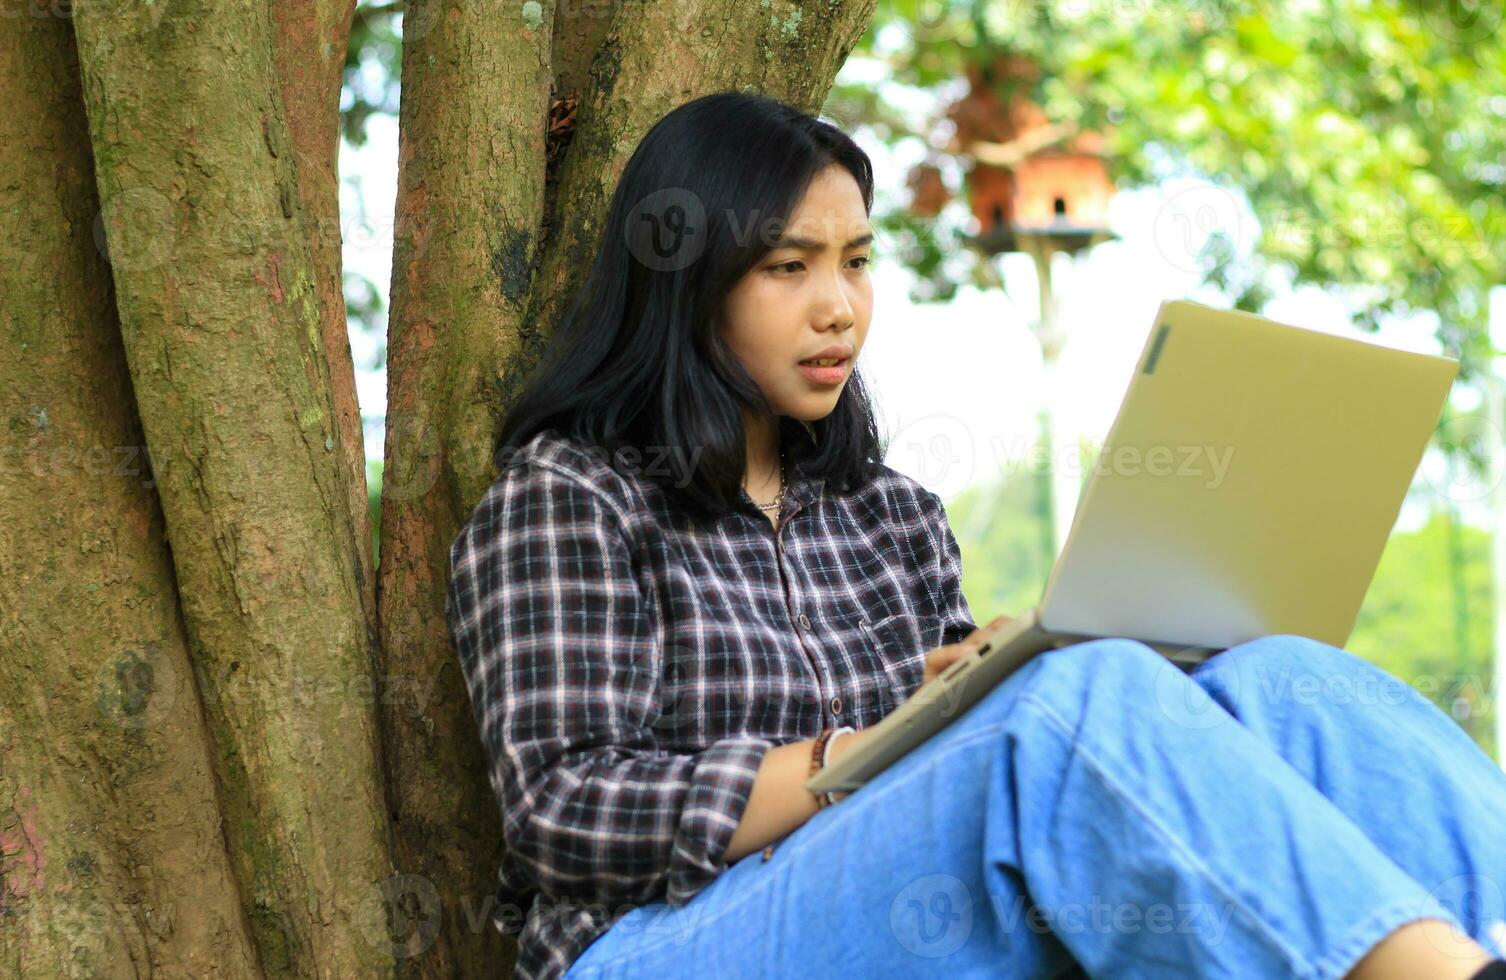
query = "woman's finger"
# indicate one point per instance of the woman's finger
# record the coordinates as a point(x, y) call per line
point(943, 657)
point(976, 637)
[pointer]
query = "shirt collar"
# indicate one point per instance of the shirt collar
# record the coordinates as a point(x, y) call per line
point(803, 486)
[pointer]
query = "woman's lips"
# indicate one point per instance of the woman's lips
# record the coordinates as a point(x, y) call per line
point(833, 375)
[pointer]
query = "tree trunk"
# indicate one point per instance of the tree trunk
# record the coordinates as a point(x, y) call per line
point(220, 318)
point(489, 242)
point(197, 776)
point(309, 47)
point(112, 860)
point(466, 223)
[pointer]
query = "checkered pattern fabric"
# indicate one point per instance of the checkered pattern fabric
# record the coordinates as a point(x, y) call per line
point(628, 667)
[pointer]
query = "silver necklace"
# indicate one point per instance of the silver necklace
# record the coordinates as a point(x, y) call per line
point(778, 497)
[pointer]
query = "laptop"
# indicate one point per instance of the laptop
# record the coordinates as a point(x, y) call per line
point(1247, 487)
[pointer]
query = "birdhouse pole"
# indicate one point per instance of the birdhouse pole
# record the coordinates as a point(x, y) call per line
point(1040, 188)
point(1056, 436)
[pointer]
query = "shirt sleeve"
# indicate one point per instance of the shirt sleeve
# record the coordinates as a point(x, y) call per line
point(562, 658)
point(945, 571)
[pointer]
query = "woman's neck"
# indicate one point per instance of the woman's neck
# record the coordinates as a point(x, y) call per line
point(762, 464)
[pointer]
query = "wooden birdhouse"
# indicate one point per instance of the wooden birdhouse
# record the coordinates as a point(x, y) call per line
point(1034, 184)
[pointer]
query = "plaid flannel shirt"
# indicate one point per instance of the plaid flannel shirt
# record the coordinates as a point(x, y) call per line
point(628, 669)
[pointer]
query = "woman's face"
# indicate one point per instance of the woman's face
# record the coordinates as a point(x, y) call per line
point(810, 293)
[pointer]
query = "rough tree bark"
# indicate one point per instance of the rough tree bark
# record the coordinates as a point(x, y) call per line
point(112, 861)
point(309, 47)
point(220, 318)
point(197, 774)
point(489, 243)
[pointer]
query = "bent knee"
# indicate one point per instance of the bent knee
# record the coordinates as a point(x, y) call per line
point(1103, 682)
point(1285, 650)
point(1093, 659)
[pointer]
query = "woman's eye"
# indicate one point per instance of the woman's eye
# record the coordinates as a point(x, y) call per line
point(794, 264)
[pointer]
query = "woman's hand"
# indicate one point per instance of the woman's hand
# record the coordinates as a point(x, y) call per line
point(943, 657)
point(937, 661)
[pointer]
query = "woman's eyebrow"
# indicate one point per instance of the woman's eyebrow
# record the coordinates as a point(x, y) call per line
point(808, 244)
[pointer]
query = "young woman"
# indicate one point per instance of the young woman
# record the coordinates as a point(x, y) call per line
point(694, 568)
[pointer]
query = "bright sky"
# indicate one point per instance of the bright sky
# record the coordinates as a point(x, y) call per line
point(958, 386)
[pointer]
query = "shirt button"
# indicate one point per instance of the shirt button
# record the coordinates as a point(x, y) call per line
point(836, 706)
point(805, 621)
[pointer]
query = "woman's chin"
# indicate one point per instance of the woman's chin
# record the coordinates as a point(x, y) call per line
point(815, 408)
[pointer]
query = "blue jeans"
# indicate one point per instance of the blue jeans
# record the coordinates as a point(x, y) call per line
point(1276, 812)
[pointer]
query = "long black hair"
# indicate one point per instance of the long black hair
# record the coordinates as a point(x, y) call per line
point(636, 361)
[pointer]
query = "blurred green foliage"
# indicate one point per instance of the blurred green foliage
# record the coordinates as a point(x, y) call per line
point(373, 68)
point(1428, 619)
point(1368, 137)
